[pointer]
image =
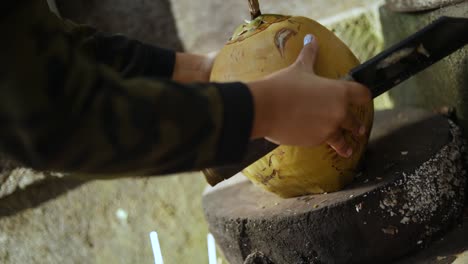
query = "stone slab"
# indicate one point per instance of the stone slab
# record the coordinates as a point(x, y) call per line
point(450, 249)
point(411, 191)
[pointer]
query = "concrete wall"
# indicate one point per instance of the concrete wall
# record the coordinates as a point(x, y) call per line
point(445, 83)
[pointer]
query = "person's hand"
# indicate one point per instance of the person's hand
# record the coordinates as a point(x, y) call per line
point(294, 106)
point(193, 67)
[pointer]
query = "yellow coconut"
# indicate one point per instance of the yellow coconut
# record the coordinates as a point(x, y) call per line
point(267, 44)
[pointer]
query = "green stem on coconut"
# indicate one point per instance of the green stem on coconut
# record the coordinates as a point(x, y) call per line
point(254, 7)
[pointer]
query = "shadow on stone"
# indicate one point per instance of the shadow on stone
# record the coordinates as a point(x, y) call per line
point(36, 194)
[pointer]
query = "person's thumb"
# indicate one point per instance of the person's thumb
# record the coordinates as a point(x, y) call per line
point(306, 59)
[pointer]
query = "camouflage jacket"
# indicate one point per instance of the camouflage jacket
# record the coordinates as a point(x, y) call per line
point(73, 99)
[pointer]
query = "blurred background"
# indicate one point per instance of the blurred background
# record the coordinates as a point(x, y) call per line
point(45, 218)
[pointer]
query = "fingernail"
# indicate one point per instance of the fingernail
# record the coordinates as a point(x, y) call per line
point(362, 130)
point(349, 152)
point(308, 39)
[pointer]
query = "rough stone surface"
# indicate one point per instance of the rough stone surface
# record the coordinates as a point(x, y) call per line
point(443, 85)
point(450, 249)
point(66, 221)
point(14, 178)
point(411, 190)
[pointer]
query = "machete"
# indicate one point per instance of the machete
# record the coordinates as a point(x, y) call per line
point(381, 73)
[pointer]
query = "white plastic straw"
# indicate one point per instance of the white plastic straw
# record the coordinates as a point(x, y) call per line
point(158, 259)
point(211, 249)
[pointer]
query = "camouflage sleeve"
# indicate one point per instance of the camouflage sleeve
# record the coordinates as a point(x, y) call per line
point(62, 109)
point(130, 58)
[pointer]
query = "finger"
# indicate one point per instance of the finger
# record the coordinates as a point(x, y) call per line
point(339, 144)
point(351, 123)
point(308, 55)
point(358, 94)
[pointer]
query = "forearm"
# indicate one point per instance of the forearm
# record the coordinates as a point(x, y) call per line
point(129, 57)
point(60, 109)
point(132, 58)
